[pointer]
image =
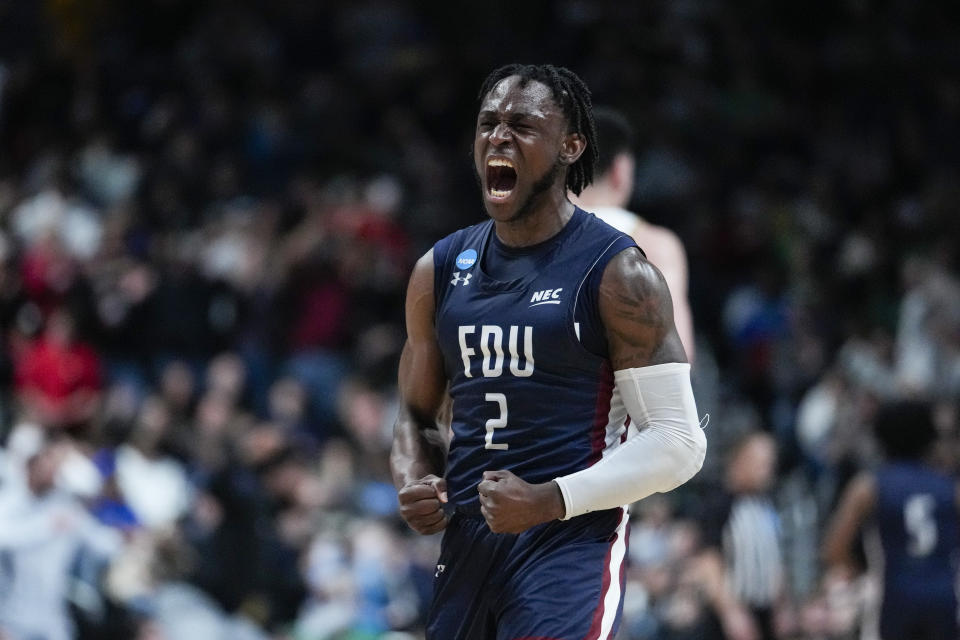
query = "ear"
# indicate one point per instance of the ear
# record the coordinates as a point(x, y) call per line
point(572, 148)
point(621, 171)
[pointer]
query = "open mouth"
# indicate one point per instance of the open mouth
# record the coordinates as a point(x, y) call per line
point(501, 177)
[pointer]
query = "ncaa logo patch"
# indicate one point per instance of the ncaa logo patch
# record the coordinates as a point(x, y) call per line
point(467, 259)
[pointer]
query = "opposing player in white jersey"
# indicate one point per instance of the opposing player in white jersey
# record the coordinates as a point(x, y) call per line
point(607, 198)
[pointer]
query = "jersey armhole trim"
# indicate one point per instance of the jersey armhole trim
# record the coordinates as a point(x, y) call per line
point(572, 328)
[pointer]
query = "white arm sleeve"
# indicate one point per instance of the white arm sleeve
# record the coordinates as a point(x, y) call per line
point(667, 451)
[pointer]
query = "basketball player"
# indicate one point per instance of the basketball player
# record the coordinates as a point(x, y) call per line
point(914, 509)
point(554, 335)
point(607, 198)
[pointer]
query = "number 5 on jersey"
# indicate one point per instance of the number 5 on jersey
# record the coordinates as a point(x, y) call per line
point(496, 423)
point(918, 519)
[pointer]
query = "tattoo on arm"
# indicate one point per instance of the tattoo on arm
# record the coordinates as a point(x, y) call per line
point(637, 311)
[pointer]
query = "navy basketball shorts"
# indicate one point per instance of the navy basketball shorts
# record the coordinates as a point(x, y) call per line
point(926, 616)
point(561, 580)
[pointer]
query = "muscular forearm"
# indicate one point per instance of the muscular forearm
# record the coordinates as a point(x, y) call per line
point(418, 450)
point(416, 462)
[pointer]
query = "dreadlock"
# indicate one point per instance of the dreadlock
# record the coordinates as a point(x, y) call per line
point(573, 96)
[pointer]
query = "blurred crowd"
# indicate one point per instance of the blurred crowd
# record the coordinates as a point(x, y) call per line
point(208, 212)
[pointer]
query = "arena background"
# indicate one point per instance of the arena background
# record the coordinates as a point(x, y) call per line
point(208, 212)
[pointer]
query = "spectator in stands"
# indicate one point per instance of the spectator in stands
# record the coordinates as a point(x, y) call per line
point(58, 376)
point(45, 533)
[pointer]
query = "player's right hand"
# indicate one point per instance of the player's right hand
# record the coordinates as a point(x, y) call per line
point(421, 504)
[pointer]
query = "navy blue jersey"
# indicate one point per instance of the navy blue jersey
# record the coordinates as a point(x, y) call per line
point(917, 520)
point(532, 386)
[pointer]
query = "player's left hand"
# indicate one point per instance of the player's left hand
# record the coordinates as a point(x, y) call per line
point(511, 505)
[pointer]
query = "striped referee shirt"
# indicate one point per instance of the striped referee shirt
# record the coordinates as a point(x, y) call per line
point(751, 547)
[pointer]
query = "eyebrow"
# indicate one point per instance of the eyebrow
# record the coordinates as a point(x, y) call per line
point(513, 117)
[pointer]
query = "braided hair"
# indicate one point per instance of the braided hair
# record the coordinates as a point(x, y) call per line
point(573, 97)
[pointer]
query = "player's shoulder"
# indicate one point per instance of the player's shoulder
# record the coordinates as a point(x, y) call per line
point(616, 217)
point(594, 234)
point(655, 234)
point(465, 235)
point(462, 245)
point(630, 267)
point(468, 231)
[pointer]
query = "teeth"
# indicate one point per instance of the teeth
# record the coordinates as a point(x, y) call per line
point(496, 193)
point(499, 162)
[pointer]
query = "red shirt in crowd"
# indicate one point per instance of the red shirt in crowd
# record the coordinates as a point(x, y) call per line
point(51, 374)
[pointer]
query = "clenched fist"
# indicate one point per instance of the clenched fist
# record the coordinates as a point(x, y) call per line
point(511, 505)
point(421, 504)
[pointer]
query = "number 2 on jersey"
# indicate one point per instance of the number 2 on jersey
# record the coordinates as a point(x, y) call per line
point(498, 422)
point(920, 524)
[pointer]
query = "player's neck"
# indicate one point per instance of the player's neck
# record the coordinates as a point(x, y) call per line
point(599, 195)
point(543, 222)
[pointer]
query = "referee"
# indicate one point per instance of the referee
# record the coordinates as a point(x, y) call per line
point(742, 544)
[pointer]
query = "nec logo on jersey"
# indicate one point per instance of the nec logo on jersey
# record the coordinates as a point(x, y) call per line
point(547, 296)
point(457, 279)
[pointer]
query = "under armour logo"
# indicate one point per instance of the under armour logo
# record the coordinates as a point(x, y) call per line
point(440, 569)
point(457, 279)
